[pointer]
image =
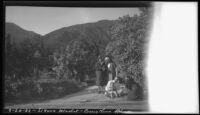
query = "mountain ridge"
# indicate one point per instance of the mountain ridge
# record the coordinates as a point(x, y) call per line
point(12, 23)
point(93, 32)
point(19, 34)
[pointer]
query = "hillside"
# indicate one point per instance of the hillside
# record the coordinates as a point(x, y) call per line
point(19, 34)
point(98, 32)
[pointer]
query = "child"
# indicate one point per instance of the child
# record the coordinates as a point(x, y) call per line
point(111, 89)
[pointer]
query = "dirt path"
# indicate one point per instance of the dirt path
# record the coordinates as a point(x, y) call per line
point(88, 98)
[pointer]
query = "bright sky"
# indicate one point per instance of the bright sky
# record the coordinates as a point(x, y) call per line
point(43, 20)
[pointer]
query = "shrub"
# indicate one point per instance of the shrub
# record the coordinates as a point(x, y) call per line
point(128, 48)
point(38, 89)
point(128, 45)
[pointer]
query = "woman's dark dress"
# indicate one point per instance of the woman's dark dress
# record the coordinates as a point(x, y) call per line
point(99, 74)
point(104, 74)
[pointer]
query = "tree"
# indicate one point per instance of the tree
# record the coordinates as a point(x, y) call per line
point(26, 59)
point(82, 56)
point(128, 45)
point(76, 61)
point(9, 70)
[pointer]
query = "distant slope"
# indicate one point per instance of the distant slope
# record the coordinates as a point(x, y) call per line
point(98, 32)
point(17, 33)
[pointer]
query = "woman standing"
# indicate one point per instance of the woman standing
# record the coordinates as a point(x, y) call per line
point(99, 75)
point(104, 74)
point(111, 68)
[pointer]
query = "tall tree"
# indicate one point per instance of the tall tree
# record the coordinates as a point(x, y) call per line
point(76, 60)
point(129, 44)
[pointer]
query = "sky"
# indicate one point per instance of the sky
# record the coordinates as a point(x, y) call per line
point(43, 20)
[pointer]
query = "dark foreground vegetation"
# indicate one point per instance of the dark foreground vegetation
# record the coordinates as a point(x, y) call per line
point(34, 90)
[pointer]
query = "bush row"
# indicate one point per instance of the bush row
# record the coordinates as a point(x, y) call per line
point(37, 89)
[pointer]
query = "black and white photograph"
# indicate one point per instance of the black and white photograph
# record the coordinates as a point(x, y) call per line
point(77, 58)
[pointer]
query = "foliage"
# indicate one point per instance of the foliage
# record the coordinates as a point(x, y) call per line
point(29, 89)
point(129, 42)
point(24, 60)
point(75, 61)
